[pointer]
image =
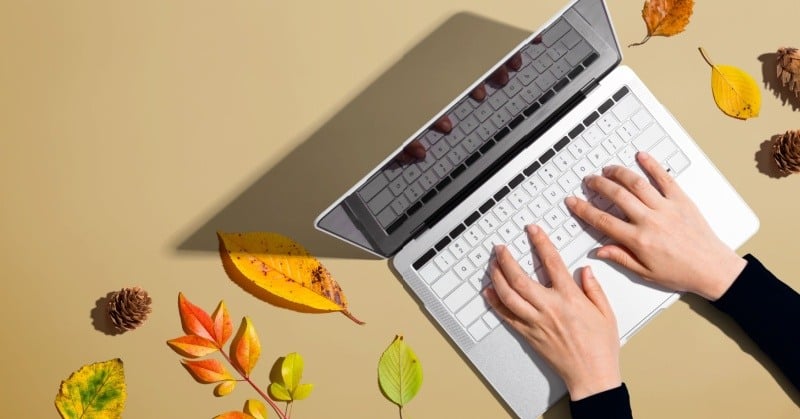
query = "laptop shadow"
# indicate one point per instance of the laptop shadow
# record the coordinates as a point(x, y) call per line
point(289, 196)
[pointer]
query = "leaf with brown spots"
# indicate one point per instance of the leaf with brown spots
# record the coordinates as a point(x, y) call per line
point(280, 271)
point(665, 17)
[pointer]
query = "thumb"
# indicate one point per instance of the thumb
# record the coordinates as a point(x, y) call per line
point(593, 291)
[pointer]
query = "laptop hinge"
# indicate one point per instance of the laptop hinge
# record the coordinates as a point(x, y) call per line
point(589, 87)
point(417, 231)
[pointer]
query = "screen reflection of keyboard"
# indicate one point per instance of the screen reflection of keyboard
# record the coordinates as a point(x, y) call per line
point(548, 65)
point(455, 269)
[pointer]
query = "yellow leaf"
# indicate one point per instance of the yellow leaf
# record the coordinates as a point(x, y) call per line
point(665, 17)
point(735, 92)
point(255, 408)
point(245, 348)
point(280, 271)
point(95, 391)
point(224, 388)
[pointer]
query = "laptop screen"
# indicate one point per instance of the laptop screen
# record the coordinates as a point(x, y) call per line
point(491, 121)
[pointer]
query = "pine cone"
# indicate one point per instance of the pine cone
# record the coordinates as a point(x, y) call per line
point(128, 308)
point(789, 69)
point(786, 152)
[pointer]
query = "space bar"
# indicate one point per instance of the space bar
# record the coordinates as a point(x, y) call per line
point(578, 248)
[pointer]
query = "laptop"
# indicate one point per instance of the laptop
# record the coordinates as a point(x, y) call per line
point(508, 158)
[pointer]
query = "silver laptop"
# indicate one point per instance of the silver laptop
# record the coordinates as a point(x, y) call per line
point(567, 110)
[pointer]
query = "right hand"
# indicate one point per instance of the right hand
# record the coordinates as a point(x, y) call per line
point(666, 239)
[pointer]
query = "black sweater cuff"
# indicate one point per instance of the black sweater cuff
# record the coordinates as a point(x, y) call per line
point(614, 403)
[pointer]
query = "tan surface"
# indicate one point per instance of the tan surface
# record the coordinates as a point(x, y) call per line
point(132, 130)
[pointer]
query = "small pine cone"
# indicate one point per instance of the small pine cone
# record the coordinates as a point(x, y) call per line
point(789, 69)
point(786, 152)
point(128, 308)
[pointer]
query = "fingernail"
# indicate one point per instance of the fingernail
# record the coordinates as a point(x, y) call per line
point(497, 248)
point(571, 201)
point(643, 155)
point(607, 170)
point(602, 253)
point(533, 229)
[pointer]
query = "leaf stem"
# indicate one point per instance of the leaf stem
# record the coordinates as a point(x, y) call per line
point(636, 44)
point(400, 409)
point(266, 398)
point(705, 56)
point(352, 317)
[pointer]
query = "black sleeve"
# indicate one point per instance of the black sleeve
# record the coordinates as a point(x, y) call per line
point(614, 403)
point(768, 311)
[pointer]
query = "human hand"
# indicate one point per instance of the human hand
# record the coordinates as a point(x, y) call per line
point(572, 327)
point(665, 239)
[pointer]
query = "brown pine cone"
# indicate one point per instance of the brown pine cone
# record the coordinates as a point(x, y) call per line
point(128, 308)
point(789, 69)
point(786, 152)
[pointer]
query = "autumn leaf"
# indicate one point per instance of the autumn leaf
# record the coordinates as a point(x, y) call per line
point(195, 320)
point(223, 327)
point(245, 348)
point(665, 17)
point(736, 93)
point(280, 271)
point(207, 371)
point(95, 391)
point(399, 373)
point(234, 415)
point(224, 388)
point(255, 408)
point(286, 376)
point(192, 346)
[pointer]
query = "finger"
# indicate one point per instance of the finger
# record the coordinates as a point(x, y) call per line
point(508, 296)
point(515, 62)
point(551, 260)
point(623, 257)
point(593, 291)
point(639, 186)
point(537, 40)
point(516, 277)
point(619, 195)
point(606, 223)
point(479, 93)
point(665, 182)
point(416, 149)
point(500, 76)
point(443, 125)
point(501, 310)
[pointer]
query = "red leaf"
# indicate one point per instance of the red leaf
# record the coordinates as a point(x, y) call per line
point(223, 327)
point(207, 371)
point(195, 320)
point(192, 346)
point(245, 348)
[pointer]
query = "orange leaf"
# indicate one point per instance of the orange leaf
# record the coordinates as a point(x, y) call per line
point(223, 327)
point(207, 371)
point(280, 271)
point(194, 319)
point(234, 415)
point(224, 388)
point(665, 17)
point(192, 346)
point(245, 348)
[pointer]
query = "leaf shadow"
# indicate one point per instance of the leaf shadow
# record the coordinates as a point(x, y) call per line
point(732, 330)
point(769, 76)
point(764, 161)
point(355, 139)
point(99, 316)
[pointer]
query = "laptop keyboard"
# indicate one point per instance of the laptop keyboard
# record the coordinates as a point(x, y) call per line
point(456, 267)
point(398, 191)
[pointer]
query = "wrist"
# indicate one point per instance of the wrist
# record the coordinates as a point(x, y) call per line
point(723, 277)
point(583, 389)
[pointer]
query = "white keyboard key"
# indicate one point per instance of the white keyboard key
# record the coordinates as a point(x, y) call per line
point(538, 206)
point(571, 39)
point(569, 181)
point(464, 109)
point(515, 105)
point(508, 231)
point(628, 155)
point(598, 156)
point(479, 257)
point(464, 269)
point(459, 297)
point(454, 137)
point(527, 75)
point(472, 310)
point(583, 168)
point(387, 216)
point(627, 131)
point(678, 162)
point(479, 330)
point(513, 87)
point(572, 226)
point(444, 260)
point(446, 283)
point(480, 280)
point(563, 161)
point(373, 187)
point(561, 67)
point(474, 235)
point(583, 192)
point(400, 204)
point(522, 244)
point(541, 63)
point(491, 242)
point(429, 273)
point(554, 217)
point(559, 237)
point(593, 135)
point(531, 93)
point(498, 99)
point(433, 136)
point(523, 218)
point(488, 223)
point(554, 193)
point(557, 50)
point(459, 247)
point(663, 150)
point(486, 130)
point(469, 124)
point(519, 198)
point(411, 173)
point(578, 147)
point(439, 149)
point(414, 192)
point(457, 154)
point(607, 123)
point(442, 168)
point(612, 143)
point(534, 50)
point(529, 263)
point(491, 319)
point(426, 163)
point(501, 117)
point(545, 80)
point(484, 111)
point(577, 248)
point(398, 185)
point(428, 179)
point(533, 185)
point(626, 107)
point(649, 137)
point(548, 173)
point(380, 201)
point(502, 210)
point(642, 119)
point(393, 171)
point(472, 142)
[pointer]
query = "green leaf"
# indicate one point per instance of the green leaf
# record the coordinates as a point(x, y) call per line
point(278, 392)
point(292, 371)
point(95, 391)
point(399, 372)
point(302, 391)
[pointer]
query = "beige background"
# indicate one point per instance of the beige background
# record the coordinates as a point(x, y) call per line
point(131, 131)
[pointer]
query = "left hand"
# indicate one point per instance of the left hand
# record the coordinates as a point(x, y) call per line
point(573, 328)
